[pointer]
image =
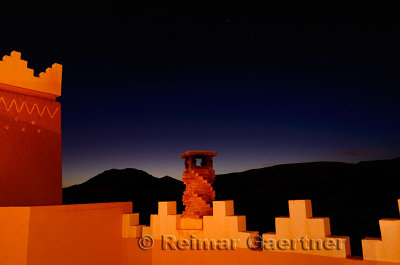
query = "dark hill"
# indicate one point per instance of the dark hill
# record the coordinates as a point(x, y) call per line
point(129, 184)
point(354, 196)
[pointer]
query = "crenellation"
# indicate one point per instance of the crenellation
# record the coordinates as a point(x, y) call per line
point(221, 225)
point(130, 226)
point(303, 232)
point(15, 75)
point(386, 248)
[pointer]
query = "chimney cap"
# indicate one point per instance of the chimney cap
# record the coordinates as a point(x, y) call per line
point(198, 153)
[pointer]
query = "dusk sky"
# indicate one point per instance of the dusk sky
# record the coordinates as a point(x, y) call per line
point(259, 85)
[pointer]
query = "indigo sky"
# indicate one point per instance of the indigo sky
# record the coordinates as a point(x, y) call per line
point(259, 85)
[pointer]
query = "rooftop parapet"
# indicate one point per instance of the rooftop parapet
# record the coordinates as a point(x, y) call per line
point(222, 224)
point(386, 248)
point(303, 233)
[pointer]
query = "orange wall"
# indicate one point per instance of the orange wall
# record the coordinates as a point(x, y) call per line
point(82, 234)
point(133, 255)
point(92, 234)
point(14, 230)
point(77, 234)
point(245, 256)
point(30, 140)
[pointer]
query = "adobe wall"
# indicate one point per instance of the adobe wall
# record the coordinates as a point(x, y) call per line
point(81, 234)
point(14, 231)
point(106, 233)
point(246, 256)
point(168, 234)
point(76, 234)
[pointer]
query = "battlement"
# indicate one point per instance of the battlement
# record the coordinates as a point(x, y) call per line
point(299, 238)
point(221, 225)
point(386, 248)
point(303, 233)
point(15, 76)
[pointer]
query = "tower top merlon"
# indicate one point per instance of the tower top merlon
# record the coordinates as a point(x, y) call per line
point(198, 153)
point(17, 77)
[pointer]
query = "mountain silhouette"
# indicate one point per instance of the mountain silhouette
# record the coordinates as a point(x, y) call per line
point(353, 196)
point(118, 185)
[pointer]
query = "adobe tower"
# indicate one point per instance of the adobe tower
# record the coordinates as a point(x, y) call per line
point(30, 134)
point(198, 177)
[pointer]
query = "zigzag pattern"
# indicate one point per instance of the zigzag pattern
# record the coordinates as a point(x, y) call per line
point(24, 104)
